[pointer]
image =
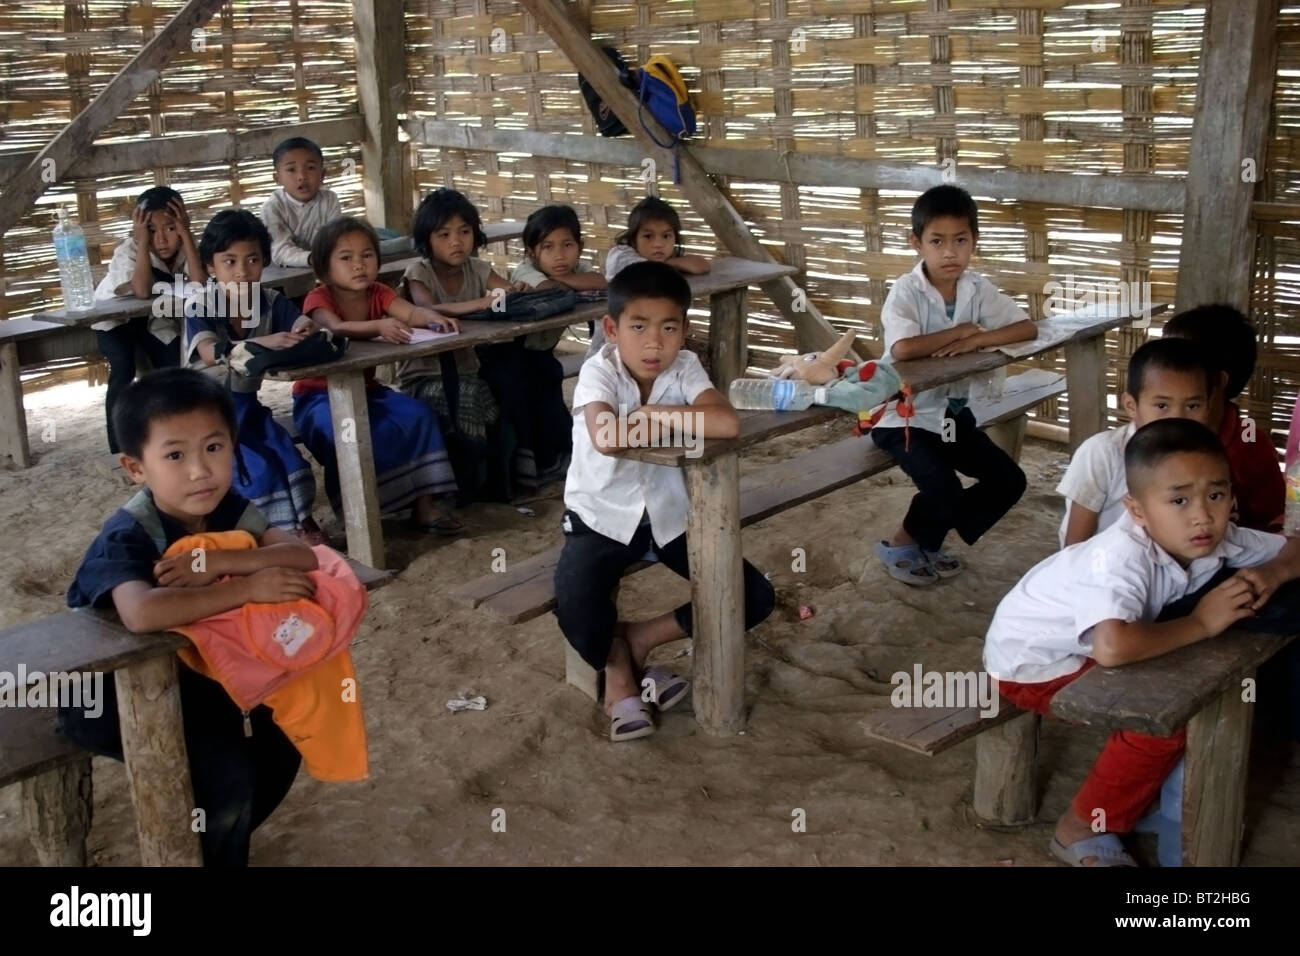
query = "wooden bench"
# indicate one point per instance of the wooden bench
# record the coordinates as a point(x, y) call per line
point(1200, 687)
point(526, 590)
point(55, 773)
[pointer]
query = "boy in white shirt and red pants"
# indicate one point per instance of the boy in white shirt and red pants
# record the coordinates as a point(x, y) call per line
point(1100, 601)
point(617, 510)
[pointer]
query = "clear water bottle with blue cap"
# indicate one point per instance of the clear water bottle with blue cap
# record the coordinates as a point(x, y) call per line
point(74, 264)
point(775, 394)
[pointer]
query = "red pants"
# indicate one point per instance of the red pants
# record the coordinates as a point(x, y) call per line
point(1128, 774)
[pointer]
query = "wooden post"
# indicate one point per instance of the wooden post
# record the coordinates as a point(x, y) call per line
point(1085, 371)
point(381, 88)
point(1006, 770)
point(57, 808)
point(157, 764)
point(13, 417)
point(717, 593)
point(1214, 780)
point(71, 141)
point(356, 462)
point(580, 674)
point(1009, 435)
point(1216, 262)
point(728, 355)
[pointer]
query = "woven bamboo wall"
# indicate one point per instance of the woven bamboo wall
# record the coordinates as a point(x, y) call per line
point(260, 64)
point(1053, 85)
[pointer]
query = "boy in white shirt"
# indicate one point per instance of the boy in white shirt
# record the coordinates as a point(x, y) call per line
point(939, 308)
point(295, 212)
point(1099, 601)
point(1167, 378)
point(616, 509)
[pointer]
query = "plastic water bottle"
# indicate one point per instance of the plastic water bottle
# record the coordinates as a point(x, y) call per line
point(74, 264)
point(1291, 525)
point(775, 394)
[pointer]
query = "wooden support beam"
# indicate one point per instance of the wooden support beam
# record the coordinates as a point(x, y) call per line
point(75, 138)
point(811, 330)
point(381, 88)
point(1229, 138)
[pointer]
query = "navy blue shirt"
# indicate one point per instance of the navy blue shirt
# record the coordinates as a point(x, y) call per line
point(124, 550)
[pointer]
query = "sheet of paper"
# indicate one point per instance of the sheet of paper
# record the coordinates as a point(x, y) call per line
point(421, 335)
point(1057, 329)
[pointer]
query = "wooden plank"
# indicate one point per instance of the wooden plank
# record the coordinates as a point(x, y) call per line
point(1006, 770)
point(13, 417)
point(1085, 364)
point(381, 88)
point(728, 356)
point(75, 138)
point(932, 730)
point(23, 329)
point(30, 744)
point(1234, 88)
point(1214, 780)
point(157, 764)
point(717, 594)
point(1154, 193)
point(358, 486)
point(1160, 695)
point(57, 811)
point(80, 640)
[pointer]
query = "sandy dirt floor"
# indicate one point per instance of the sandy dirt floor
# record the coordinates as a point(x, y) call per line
point(539, 752)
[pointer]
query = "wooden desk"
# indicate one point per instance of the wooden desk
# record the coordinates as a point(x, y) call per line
point(713, 483)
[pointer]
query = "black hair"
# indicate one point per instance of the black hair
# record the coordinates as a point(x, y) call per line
point(650, 209)
point(941, 201)
point(542, 222)
point(1170, 355)
point(648, 280)
point(296, 142)
point(163, 394)
point(228, 227)
point(157, 198)
point(1154, 442)
point(435, 210)
point(1227, 334)
point(327, 237)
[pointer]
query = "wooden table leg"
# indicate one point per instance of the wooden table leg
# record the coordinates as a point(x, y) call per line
point(728, 355)
point(1085, 374)
point(57, 809)
point(157, 764)
point(1006, 770)
point(13, 419)
point(717, 593)
point(1214, 780)
point(356, 462)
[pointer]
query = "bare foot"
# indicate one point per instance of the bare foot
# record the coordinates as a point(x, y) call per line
point(643, 636)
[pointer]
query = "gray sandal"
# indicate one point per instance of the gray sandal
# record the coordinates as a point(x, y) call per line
point(944, 564)
point(1104, 849)
point(906, 563)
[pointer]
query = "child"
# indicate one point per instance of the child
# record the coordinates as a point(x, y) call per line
point(1257, 481)
point(410, 462)
point(941, 309)
point(296, 211)
point(272, 473)
point(449, 277)
point(1167, 378)
point(1096, 602)
point(553, 240)
point(160, 224)
point(654, 232)
point(177, 430)
point(617, 509)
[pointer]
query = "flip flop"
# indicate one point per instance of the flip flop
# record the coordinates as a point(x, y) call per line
point(1105, 848)
point(944, 565)
point(629, 719)
point(906, 563)
point(445, 525)
point(667, 689)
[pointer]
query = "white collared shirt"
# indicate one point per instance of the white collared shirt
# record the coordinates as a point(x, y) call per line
point(1096, 478)
point(293, 224)
point(1043, 628)
point(609, 493)
point(117, 282)
point(915, 307)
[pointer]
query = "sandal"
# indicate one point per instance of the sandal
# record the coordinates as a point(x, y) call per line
point(445, 525)
point(629, 719)
point(944, 565)
point(906, 563)
point(666, 688)
point(1104, 849)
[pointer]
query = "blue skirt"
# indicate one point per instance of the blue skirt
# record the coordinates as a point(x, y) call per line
point(275, 477)
point(410, 458)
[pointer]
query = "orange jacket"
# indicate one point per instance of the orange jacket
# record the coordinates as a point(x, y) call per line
point(292, 656)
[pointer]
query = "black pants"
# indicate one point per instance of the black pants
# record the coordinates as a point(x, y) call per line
point(118, 346)
point(941, 503)
point(587, 576)
point(238, 780)
point(529, 388)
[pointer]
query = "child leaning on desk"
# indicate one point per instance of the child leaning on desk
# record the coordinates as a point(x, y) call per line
point(411, 465)
point(940, 308)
